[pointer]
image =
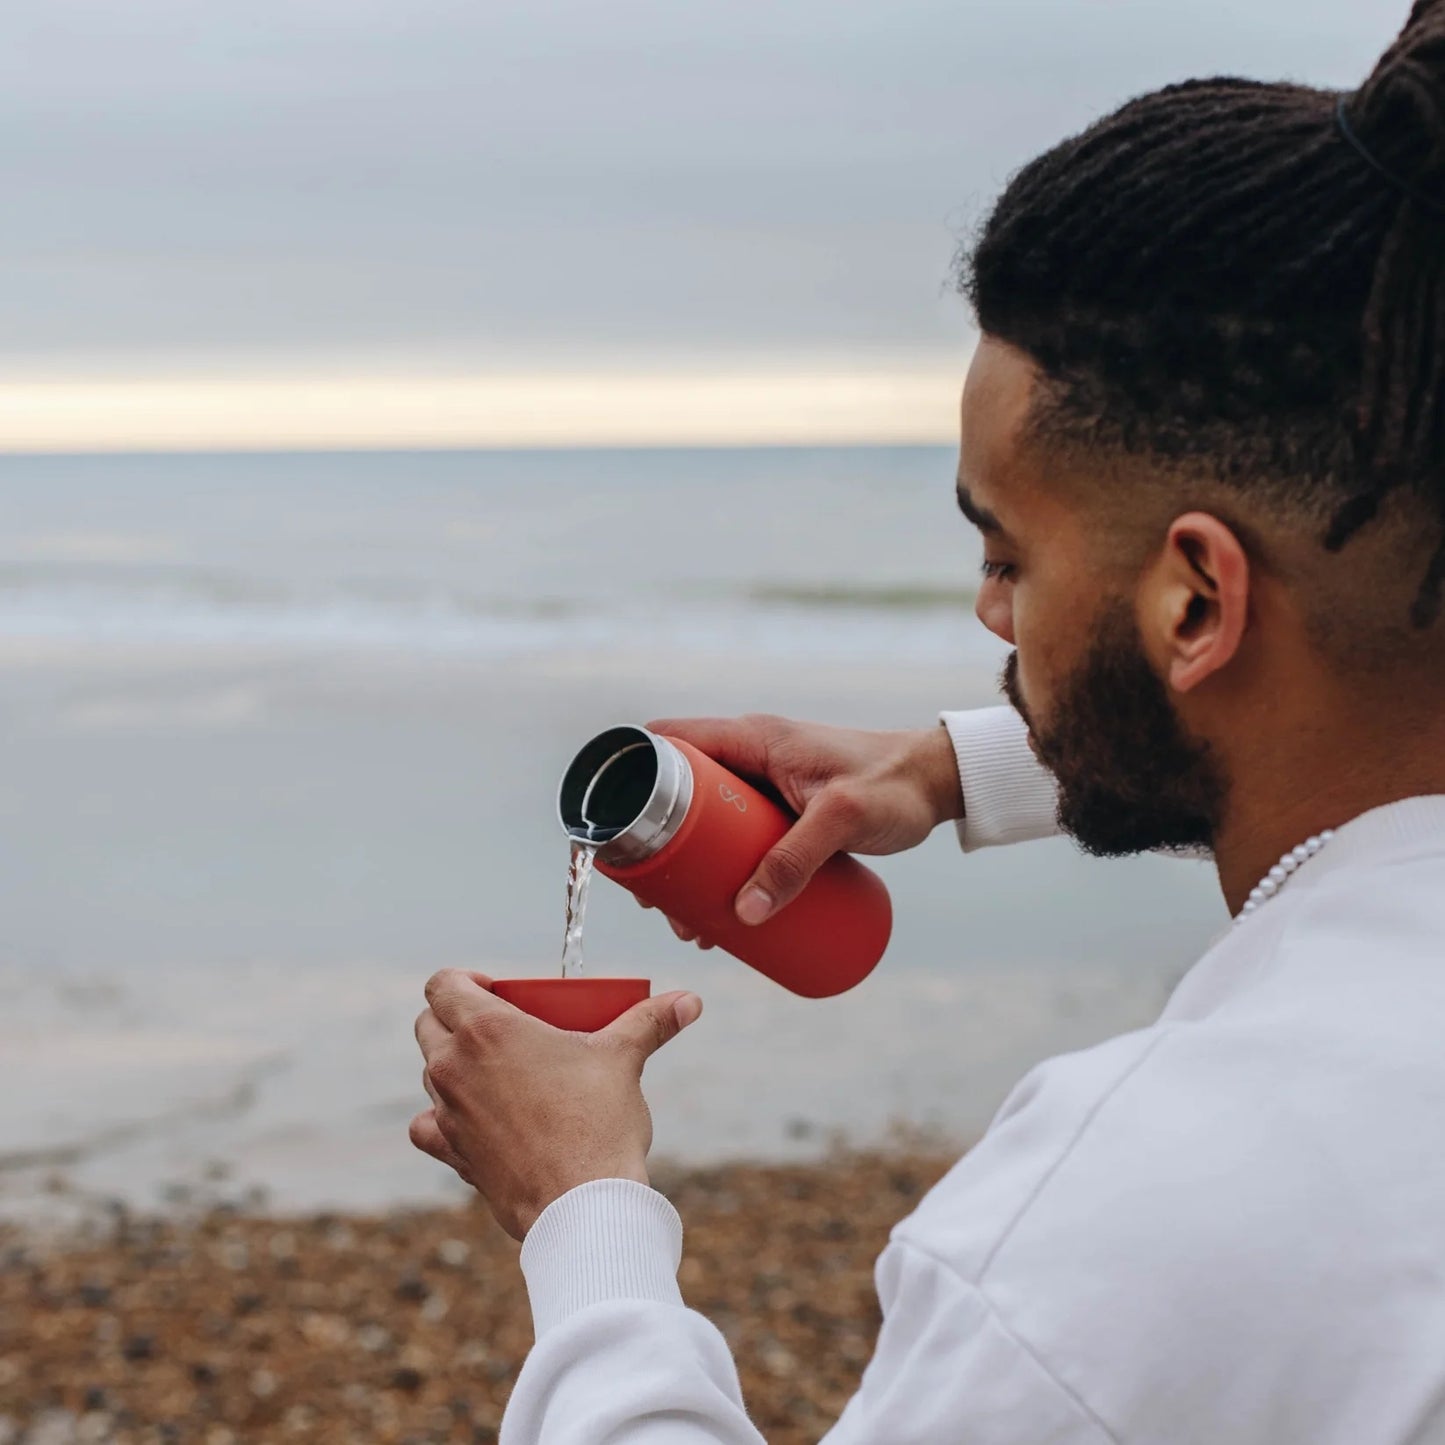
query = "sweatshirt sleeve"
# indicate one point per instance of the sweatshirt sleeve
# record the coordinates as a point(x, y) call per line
point(619, 1360)
point(1008, 795)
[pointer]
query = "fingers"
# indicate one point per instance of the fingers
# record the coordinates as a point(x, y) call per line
point(456, 997)
point(431, 1033)
point(739, 743)
point(645, 1027)
point(823, 830)
point(688, 934)
point(425, 1133)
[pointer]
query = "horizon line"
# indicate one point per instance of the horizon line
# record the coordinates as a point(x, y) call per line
point(724, 408)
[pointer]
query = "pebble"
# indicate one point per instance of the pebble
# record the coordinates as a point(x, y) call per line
point(340, 1236)
point(94, 1427)
point(454, 1253)
point(299, 1420)
point(412, 1287)
point(234, 1254)
point(53, 1427)
point(282, 1245)
point(264, 1383)
point(374, 1338)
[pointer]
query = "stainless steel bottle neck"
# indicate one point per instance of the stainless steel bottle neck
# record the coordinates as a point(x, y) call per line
point(627, 791)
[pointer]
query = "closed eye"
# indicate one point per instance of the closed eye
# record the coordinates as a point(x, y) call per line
point(997, 571)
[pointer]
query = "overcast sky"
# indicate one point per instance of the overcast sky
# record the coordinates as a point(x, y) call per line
point(552, 182)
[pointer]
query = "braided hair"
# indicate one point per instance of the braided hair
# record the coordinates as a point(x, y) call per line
point(1247, 279)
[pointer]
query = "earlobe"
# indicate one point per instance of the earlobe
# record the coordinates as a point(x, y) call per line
point(1204, 598)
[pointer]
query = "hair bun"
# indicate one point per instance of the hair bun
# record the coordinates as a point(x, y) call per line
point(1399, 112)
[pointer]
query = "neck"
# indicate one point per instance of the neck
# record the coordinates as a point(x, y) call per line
point(1320, 775)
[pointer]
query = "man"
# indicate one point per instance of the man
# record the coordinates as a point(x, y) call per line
point(1204, 439)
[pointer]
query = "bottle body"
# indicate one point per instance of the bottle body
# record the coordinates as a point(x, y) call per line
point(683, 834)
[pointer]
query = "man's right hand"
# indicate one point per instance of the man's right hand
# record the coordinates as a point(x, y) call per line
point(853, 791)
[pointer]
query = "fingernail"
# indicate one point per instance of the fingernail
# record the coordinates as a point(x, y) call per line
point(688, 1009)
point(754, 905)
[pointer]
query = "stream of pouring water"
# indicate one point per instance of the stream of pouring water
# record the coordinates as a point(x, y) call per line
point(579, 878)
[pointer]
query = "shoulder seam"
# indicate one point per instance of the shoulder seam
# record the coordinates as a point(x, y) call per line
point(1064, 1389)
point(1067, 1152)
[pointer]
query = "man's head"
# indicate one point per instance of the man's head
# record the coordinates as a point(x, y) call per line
point(1204, 433)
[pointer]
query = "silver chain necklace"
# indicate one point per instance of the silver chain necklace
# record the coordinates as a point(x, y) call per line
point(1279, 875)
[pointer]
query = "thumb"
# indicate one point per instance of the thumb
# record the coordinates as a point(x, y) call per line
point(646, 1026)
point(790, 865)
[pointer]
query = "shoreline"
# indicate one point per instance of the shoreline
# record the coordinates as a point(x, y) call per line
point(223, 1325)
point(169, 1092)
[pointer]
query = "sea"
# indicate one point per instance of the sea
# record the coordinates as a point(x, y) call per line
point(281, 737)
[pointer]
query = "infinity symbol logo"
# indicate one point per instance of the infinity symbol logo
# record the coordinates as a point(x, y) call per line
point(728, 796)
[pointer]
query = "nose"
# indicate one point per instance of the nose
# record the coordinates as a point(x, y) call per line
point(994, 608)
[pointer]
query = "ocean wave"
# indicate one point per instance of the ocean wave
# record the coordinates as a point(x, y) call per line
point(150, 606)
point(883, 597)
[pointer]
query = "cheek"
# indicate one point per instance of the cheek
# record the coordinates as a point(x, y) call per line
point(1044, 641)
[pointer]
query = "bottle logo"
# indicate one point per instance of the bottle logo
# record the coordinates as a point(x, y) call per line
point(728, 796)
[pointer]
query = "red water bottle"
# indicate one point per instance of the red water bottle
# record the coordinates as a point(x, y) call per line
point(684, 834)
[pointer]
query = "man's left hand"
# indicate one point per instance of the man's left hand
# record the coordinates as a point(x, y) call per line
point(523, 1111)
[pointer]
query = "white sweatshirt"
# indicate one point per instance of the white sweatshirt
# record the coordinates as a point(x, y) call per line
point(1227, 1228)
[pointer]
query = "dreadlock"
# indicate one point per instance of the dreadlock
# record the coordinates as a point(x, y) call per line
point(1248, 278)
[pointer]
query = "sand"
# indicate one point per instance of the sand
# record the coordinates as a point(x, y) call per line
point(218, 1325)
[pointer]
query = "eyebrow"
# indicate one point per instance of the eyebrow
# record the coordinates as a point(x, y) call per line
point(981, 517)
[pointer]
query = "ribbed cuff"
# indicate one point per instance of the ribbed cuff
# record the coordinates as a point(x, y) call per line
point(1008, 795)
point(613, 1239)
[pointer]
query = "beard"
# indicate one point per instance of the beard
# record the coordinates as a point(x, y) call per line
point(1131, 779)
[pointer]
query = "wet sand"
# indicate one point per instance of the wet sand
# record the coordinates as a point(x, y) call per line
point(219, 1325)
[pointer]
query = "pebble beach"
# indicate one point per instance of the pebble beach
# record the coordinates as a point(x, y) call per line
point(220, 1325)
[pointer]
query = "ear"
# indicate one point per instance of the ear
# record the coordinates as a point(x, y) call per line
point(1194, 600)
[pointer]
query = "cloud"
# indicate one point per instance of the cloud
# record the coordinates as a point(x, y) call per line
point(524, 182)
